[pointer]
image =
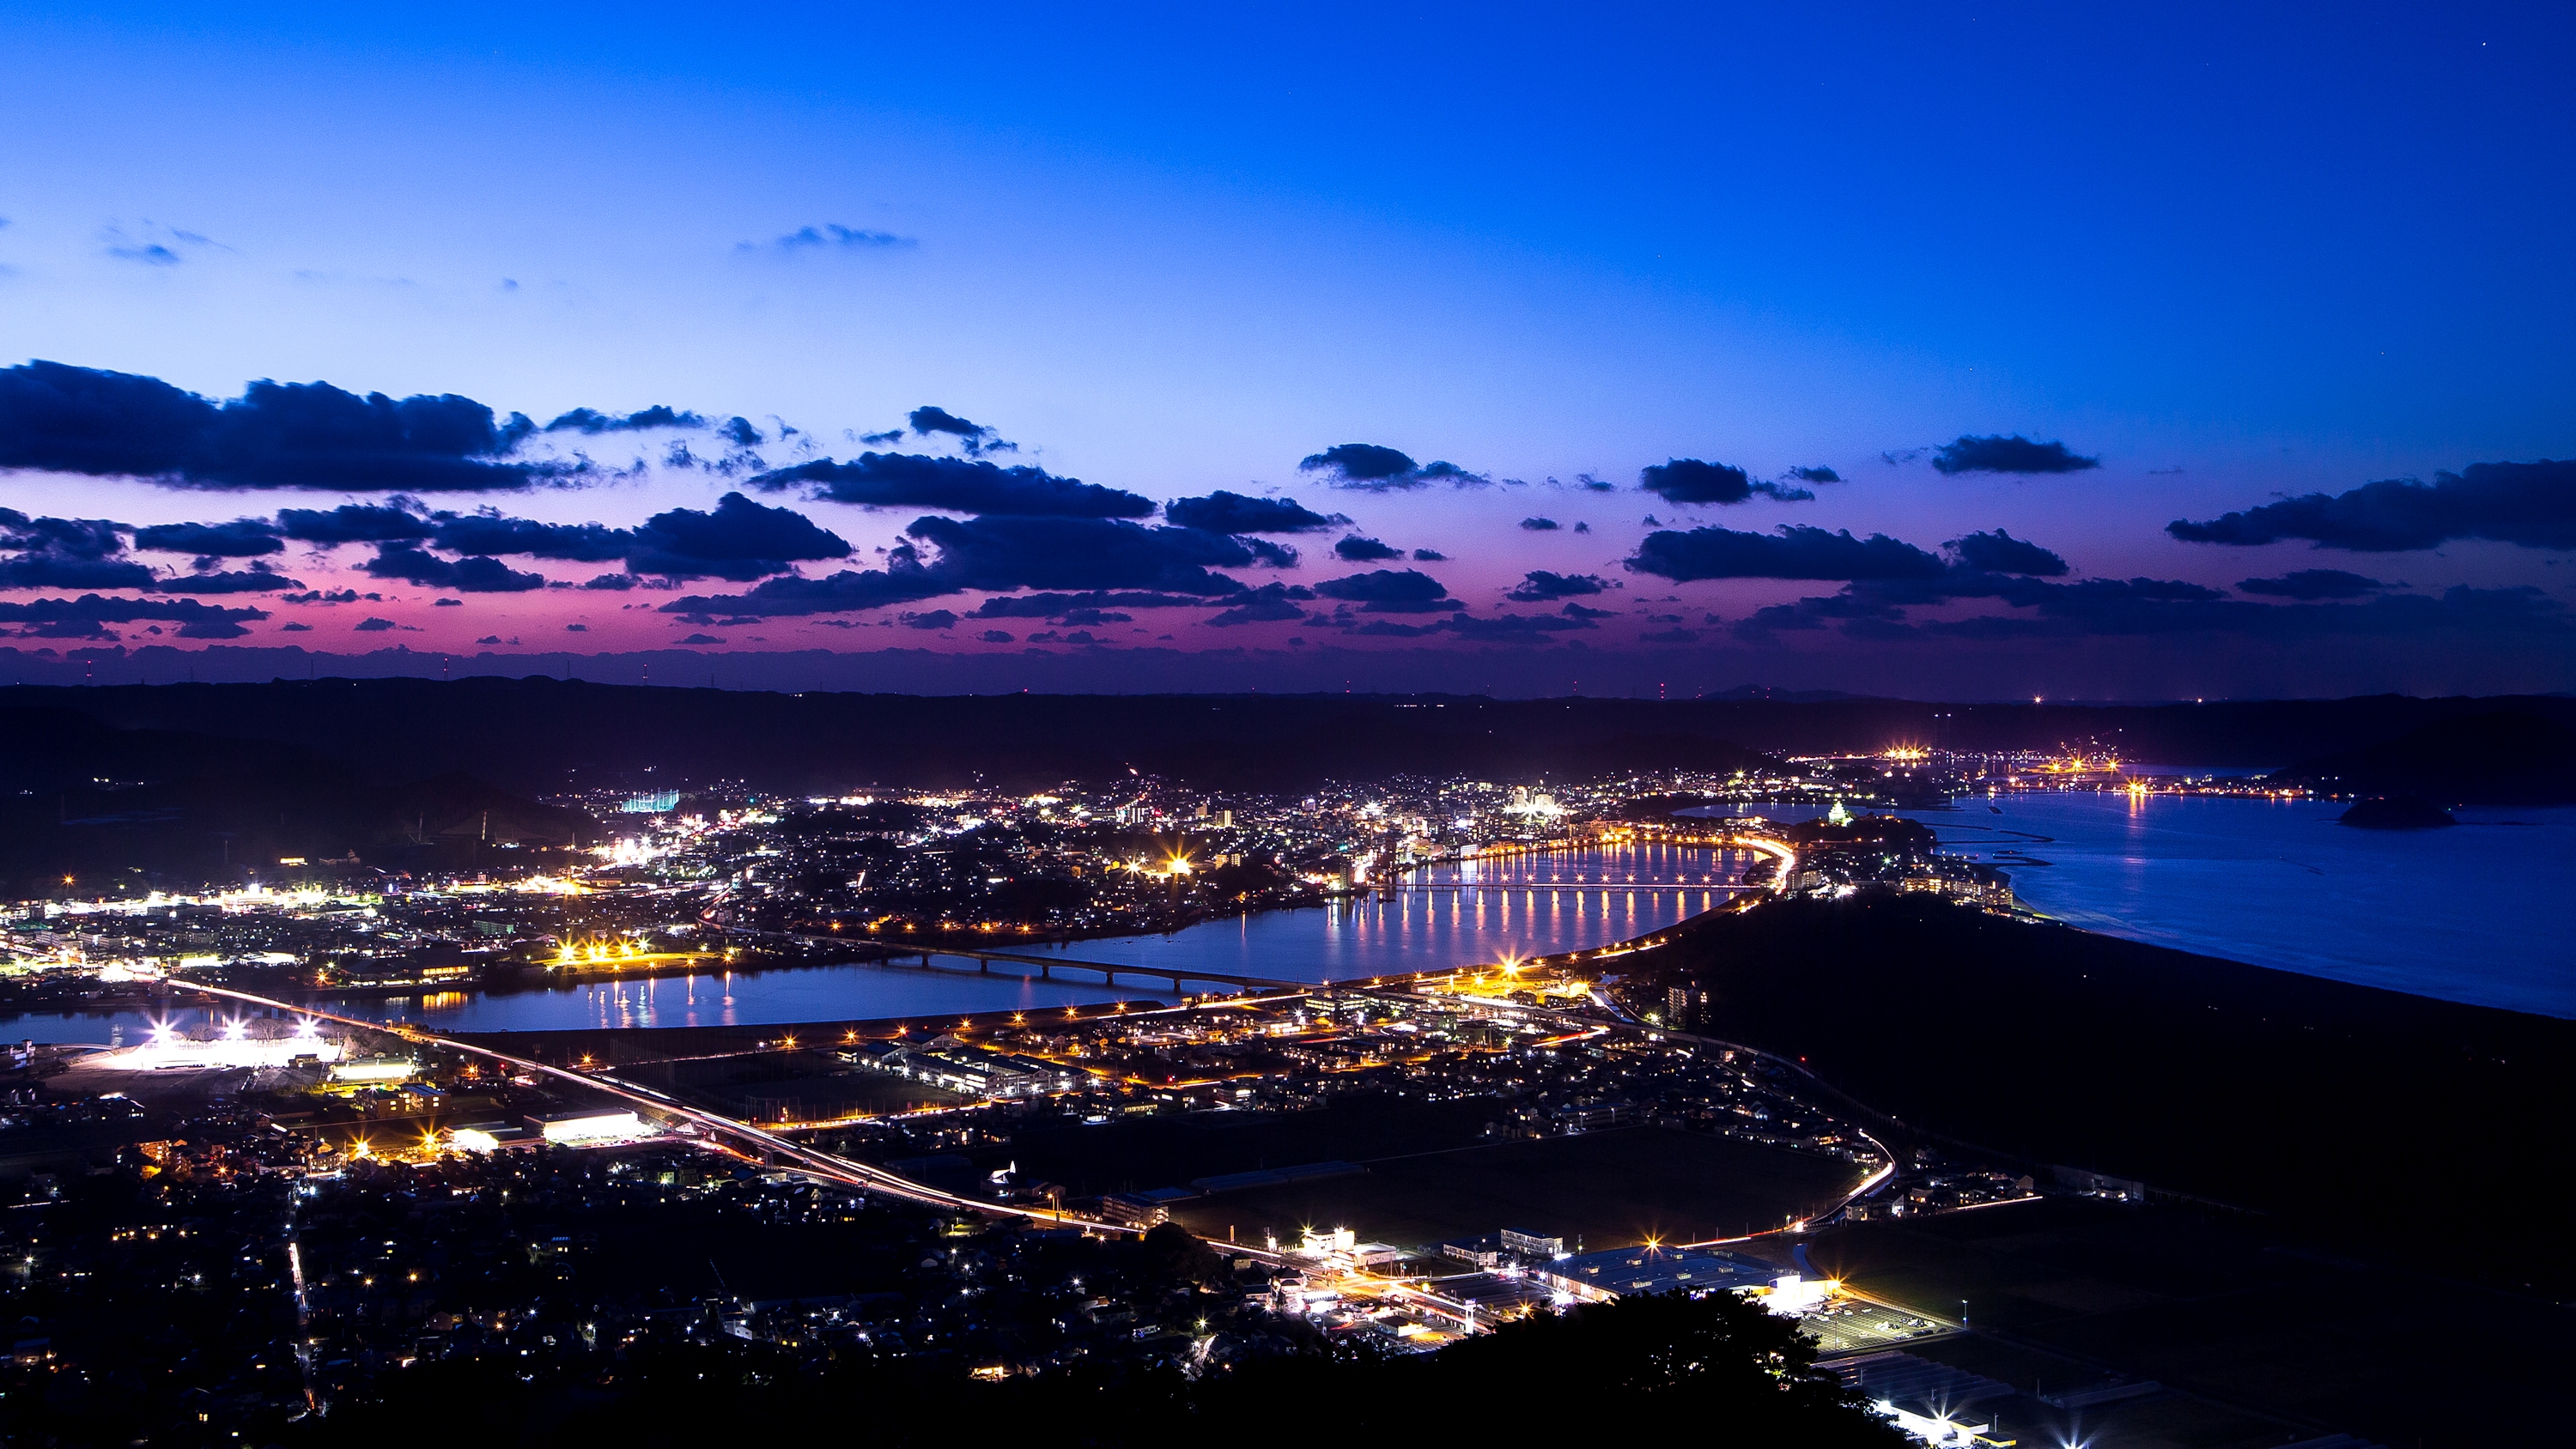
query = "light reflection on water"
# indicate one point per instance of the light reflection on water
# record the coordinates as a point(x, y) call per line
point(1448, 915)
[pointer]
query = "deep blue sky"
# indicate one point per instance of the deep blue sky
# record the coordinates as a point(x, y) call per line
point(2230, 256)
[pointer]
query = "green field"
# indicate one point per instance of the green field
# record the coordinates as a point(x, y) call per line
point(1609, 1189)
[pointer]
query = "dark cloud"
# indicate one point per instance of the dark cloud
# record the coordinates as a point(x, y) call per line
point(1269, 604)
point(1670, 636)
point(831, 237)
point(1377, 469)
point(87, 616)
point(1580, 611)
point(935, 619)
point(740, 540)
point(293, 627)
point(907, 480)
point(739, 432)
point(1794, 551)
point(79, 538)
point(1690, 481)
point(620, 582)
point(354, 523)
point(1390, 591)
point(1818, 474)
point(995, 636)
point(2308, 585)
point(1053, 606)
point(66, 553)
point(2001, 553)
point(975, 438)
point(241, 538)
point(1540, 525)
point(1270, 553)
point(1005, 554)
point(1356, 549)
point(2530, 504)
point(1540, 587)
point(838, 593)
point(701, 639)
point(259, 578)
point(1223, 512)
point(576, 628)
point(592, 422)
point(61, 571)
point(1429, 555)
point(476, 575)
point(1011, 553)
point(2014, 454)
point(63, 419)
point(491, 533)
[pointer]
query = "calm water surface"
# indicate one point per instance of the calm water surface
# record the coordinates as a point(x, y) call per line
point(2481, 913)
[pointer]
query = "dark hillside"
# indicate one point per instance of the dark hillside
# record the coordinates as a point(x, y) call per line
point(172, 810)
point(2369, 1114)
point(2507, 758)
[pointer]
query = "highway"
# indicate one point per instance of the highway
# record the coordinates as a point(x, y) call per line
point(767, 1145)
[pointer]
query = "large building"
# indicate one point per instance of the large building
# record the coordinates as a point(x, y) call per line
point(1608, 1276)
point(952, 1065)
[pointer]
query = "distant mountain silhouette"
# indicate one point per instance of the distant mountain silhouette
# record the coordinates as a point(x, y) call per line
point(2506, 758)
point(539, 735)
point(178, 810)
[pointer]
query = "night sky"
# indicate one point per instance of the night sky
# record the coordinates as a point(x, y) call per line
point(1960, 351)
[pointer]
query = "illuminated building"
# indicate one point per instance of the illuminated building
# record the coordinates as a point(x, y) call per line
point(592, 1125)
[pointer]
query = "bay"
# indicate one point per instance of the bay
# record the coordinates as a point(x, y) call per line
point(2483, 912)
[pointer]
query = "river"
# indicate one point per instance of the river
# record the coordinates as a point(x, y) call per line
point(1481, 910)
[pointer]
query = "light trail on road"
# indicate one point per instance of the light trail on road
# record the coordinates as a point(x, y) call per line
point(811, 1161)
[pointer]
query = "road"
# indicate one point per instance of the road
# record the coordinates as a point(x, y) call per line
point(768, 1145)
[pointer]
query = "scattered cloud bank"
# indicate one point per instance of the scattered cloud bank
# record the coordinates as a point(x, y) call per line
point(2000, 553)
point(1224, 512)
point(64, 419)
point(1374, 468)
point(1691, 481)
point(912, 480)
point(2014, 455)
point(1793, 551)
point(2530, 504)
point(1540, 586)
